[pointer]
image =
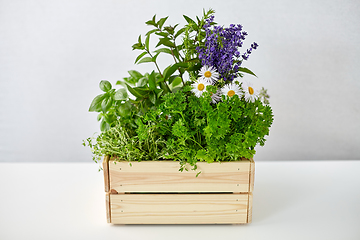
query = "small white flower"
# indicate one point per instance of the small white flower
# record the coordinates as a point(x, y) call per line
point(166, 116)
point(231, 89)
point(216, 97)
point(209, 74)
point(199, 87)
point(250, 93)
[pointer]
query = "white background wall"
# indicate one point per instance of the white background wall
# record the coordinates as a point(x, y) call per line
point(53, 54)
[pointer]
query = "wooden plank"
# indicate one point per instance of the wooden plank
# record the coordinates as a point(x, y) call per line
point(249, 214)
point(105, 165)
point(252, 175)
point(108, 209)
point(179, 208)
point(164, 176)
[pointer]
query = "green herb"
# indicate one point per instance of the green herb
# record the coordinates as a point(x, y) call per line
point(164, 115)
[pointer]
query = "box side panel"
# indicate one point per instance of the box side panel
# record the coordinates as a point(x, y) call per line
point(164, 176)
point(179, 208)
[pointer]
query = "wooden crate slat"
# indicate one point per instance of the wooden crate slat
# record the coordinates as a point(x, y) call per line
point(108, 208)
point(105, 165)
point(252, 175)
point(164, 176)
point(249, 214)
point(179, 208)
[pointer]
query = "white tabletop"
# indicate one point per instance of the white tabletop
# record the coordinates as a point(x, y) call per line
point(292, 200)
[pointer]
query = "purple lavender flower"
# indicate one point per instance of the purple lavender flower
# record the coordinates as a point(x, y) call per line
point(221, 49)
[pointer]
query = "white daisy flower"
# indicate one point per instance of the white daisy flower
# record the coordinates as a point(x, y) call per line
point(199, 87)
point(209, 74)
point(250, 93)
point(231, 89)
point(216, 97)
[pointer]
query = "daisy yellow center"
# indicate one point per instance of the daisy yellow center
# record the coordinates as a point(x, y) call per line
point(200, 87)
point(251, 90)
point(207, 74)
point(231, 93)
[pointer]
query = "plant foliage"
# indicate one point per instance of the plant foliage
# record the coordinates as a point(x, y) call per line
point(209, 115)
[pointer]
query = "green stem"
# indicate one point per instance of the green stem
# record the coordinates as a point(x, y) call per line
point(157, 66)
point(196, 142)
point(172, 53)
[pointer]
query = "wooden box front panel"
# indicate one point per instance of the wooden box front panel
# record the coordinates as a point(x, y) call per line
point(179, 208)
point(164, 176)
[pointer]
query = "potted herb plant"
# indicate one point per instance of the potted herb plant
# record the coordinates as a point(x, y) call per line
point(189, 128)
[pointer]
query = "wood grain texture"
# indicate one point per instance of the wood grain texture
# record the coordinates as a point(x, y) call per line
point(179, 208)
point(249, 213)
point(252, 175)
point(108, 209)
point(105, 165)
point(164, 176)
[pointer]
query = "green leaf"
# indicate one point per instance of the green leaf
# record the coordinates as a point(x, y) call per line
point(106, 104)
point(151, 31)
point(169, 29)
point(169, 71)
point(138, 46)
point(193, 60)
point(189, 20)
point(196, 67)
point(179, 32)
point(166, 42)
point(152, 81)
point(133, 91)
point(159, 80)
point(158, 92)
point(163, 50)
point(140, 56)
point(135, 74)
point(155, 57)
point(105, 85)
point(145, 60)
point(152, 97)
point(130, 80)
point(198, 19)
point(121, 94)
point(152, 22)
point(245, 70)
point(147, 42)
point(124, 109)
point(104, 126)
point(164, 87)
point(176, 53)
point(99, 117)
point(163, 34)
point(177, 81)
point(161, 22)
point(95, 105)
point(138, 92)
point(142, 82)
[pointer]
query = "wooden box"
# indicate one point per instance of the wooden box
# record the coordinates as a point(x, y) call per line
point(156, 192)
